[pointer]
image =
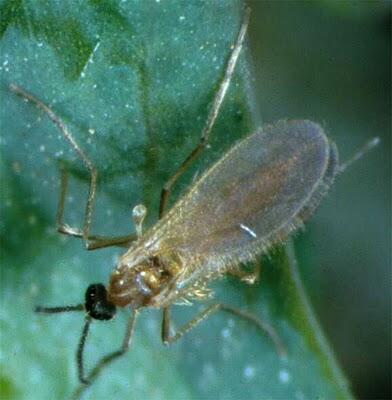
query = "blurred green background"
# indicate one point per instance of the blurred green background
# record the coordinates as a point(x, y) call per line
point(330, 61)
point(322, 60)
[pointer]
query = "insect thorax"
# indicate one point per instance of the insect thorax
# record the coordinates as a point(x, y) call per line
point(144, 280)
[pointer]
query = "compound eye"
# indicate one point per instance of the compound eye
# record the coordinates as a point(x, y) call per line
point(96, 303)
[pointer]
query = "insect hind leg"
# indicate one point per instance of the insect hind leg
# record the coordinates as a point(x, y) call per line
point(262, 326)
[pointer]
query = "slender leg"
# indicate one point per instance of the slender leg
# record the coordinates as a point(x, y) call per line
point(92, 242)
point(264, 328)
point(104, 361)
point(359, 154)
point(216, 105)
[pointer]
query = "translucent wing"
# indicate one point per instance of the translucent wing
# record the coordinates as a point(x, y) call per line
point(255, 194)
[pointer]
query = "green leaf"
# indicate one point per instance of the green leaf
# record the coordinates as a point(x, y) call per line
point(133, 81)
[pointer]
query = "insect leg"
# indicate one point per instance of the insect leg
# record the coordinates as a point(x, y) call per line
point(104, 361)
point(359, 154)
point(92, 242)
point(214, 111)
point(263, 327)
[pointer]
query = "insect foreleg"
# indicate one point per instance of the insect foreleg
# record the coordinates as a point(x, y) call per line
point(263, 327)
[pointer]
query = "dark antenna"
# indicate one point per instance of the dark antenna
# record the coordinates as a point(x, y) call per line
point(80, 351)
point(54, 310)
point(83, 337)
point(97, 307)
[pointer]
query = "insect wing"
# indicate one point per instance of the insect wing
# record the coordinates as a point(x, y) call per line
point(255, 194)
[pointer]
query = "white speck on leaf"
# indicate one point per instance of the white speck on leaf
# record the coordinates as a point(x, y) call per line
point(284, 376)
point(249, 372)
point(226, 333)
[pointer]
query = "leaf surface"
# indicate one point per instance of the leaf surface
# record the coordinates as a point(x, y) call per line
point(133, 81)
